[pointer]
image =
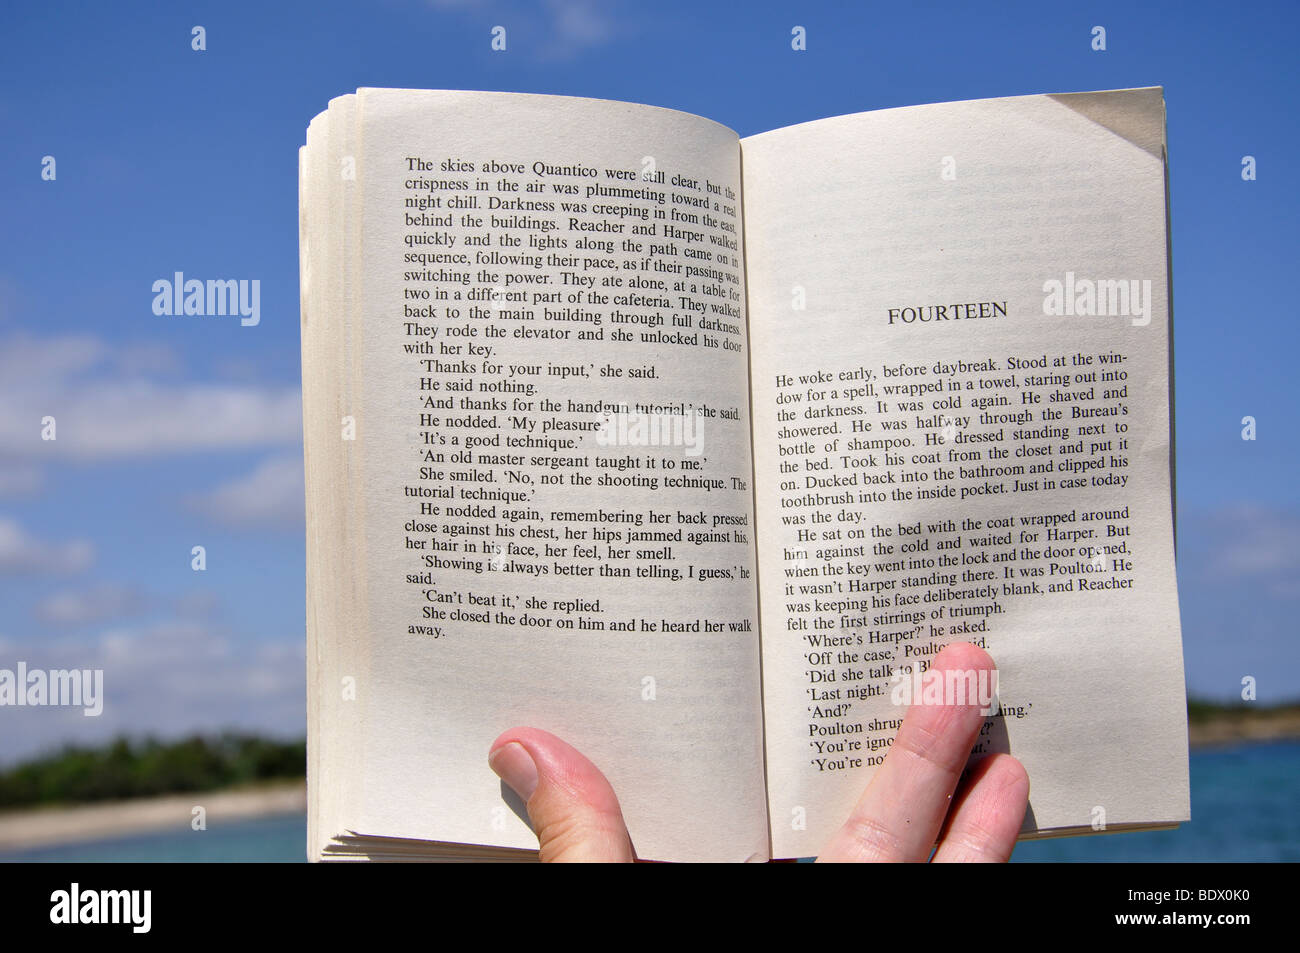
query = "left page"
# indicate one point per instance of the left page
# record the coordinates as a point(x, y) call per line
point(327, 276)
point(551, 437)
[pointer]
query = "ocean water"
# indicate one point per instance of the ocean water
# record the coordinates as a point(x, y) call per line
point(1243, 809)
point(275, 839)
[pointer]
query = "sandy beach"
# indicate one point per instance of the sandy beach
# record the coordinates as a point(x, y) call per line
point(45, 827)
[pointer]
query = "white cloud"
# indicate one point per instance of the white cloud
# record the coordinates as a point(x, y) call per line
point(96, 604)
point(1252, 541)
point(561, 29)
point(21, 553)
point(1238, 567)
point(579, 24)
point(199, 604)
point(147, 357)
point(272, 495)
point(105, 407)
point(28, 360)
point(19, 480)
point(166, 679)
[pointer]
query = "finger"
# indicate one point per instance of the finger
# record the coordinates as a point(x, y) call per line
point(987, 813)
point(571, 805)
point(901, 811)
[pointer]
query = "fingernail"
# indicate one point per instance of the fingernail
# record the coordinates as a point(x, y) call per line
point(515, 766)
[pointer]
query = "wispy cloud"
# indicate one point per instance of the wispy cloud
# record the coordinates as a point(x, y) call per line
point(271, 495)
point(199, 604)
point(552, 30)
point(99, 603)
point(18, 480)
point(117, 401)
point(21, 553)
point(1251, 544)
point(579, 24)
point(1238, 584)
point(168, 679)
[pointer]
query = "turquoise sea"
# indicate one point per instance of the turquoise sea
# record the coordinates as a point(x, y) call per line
point(1243, 809)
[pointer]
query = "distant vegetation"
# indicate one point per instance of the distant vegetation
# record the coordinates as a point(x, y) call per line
point(1199, 709)
point(126, 769)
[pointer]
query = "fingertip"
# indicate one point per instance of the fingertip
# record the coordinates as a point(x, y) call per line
point(963, 655)
point(514, 734)
point(1007, 773)
point(988, 812)
point(557, 761)
point(572, 805)
point(516, 767)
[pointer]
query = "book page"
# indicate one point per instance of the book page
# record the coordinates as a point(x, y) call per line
point(961, 408)
point(552, 422)
point(333, 665)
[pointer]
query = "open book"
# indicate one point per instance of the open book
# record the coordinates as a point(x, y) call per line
point(693, 450)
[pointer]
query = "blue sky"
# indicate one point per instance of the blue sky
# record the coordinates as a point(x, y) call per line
point(175, 432)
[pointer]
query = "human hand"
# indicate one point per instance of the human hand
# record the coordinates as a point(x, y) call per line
point(922, 794)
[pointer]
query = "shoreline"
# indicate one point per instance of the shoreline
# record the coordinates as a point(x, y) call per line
point(1243, 726)
point(32, 828)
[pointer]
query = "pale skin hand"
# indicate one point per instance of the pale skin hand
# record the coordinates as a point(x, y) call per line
point(924, 793)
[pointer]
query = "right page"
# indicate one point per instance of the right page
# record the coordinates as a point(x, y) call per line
point(960, 354)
